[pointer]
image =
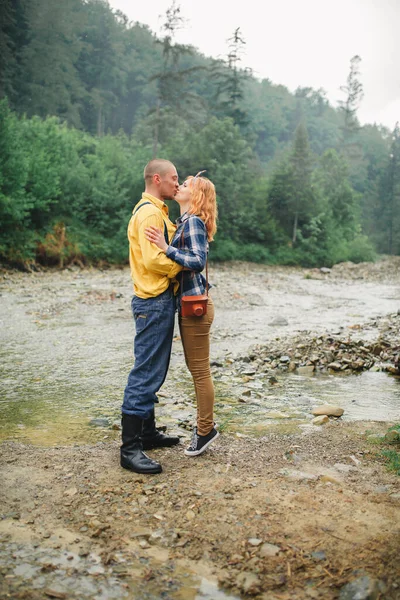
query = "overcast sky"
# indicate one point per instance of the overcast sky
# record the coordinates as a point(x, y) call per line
point(307, 43)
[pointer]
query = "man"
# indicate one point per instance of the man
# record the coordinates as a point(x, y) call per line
point(153, 306)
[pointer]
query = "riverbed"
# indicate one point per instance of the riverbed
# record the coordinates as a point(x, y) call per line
point(318, 499)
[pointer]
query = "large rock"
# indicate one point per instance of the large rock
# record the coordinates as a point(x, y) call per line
point(329, 410)
point(362, 588)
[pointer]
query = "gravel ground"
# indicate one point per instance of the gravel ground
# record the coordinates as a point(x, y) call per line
point(275, 516)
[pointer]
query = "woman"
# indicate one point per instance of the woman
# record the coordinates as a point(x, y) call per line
point(189, 247)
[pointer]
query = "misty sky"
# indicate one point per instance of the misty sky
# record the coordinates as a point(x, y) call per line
point(305, 43)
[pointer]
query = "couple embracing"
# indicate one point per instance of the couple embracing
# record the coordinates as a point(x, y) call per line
point(166, 263)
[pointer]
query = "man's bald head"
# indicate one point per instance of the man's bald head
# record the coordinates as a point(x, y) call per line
point(161, 179)
point(157, 166)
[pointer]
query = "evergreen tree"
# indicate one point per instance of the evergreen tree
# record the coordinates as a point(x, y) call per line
point(51, 84)
point(302, 201)
point(335, 196)
point(101, 65)
point(388, 206)
point(229, 79)
point(354, 93)
point(7, 48)
point(171, 95)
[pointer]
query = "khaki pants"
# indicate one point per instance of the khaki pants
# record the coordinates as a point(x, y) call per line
point(195, 335)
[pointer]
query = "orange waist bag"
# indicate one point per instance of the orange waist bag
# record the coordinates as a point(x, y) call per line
point(194, 306)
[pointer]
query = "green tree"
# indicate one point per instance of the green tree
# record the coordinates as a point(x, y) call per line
point(335, 196)
point(354, 93)
point(101, 64)
point(229, 78)
point(302, 202)
point(14, 205)
point(388, 206)
point(172, 97)
point(50, 84)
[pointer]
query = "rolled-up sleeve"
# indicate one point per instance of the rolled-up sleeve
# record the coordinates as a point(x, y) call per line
point(193, 255)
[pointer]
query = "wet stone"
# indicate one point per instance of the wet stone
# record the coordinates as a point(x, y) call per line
point(329, 410)
point(99, 422)
point(362, 588)
point(320, 420)
point(279, 322)
point(318, 555)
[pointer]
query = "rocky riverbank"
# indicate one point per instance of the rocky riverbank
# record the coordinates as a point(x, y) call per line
point(277, 514)
point(336, 351)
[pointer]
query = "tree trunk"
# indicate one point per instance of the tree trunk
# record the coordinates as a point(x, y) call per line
point(99, 121)
point(391, 205)
point(155, 139)
point(296, 216)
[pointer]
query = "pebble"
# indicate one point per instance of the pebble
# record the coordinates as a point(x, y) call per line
point(248, 582)
point(254, 541)
point(343, 468)
point(279, 322)
point(307, 370)
point(318, 555)
point(267, 550)
point(320, 420)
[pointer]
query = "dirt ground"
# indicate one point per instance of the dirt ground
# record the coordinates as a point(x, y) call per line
point(281, 516)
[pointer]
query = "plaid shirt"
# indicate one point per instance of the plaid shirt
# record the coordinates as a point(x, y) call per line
point(190, 251)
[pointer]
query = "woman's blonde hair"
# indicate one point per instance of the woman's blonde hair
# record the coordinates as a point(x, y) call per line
point(204, 203)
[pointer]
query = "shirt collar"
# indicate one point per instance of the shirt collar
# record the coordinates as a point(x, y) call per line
point(182, 218)
point(156, 201)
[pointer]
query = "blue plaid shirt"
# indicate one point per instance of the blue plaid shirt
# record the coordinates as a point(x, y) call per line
point(190, 251)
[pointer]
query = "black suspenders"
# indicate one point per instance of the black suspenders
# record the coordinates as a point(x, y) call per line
point(165, 225)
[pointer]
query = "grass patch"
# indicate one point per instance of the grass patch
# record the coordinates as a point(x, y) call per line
point(393, 460)
point(392, 455)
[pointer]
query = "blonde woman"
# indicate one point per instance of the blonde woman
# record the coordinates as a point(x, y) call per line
point(196, 227)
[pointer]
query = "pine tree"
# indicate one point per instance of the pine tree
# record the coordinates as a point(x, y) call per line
point(301, 160)
point(388, 207)
point(51, 83)
point(354, 94)
point(172, 98)
point(230, 79)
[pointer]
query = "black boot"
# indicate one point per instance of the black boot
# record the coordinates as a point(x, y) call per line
point(132, 455)
point(152, 438)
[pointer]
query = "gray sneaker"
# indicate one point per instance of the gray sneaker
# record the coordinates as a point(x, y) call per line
point(200, 443)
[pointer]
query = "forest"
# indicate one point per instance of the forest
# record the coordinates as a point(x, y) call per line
point(87, 98)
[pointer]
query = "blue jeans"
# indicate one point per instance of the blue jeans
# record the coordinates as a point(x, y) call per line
point(154, 323)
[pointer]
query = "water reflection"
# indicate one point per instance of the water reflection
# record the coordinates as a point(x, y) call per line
point(46, 412)
point(370, 396)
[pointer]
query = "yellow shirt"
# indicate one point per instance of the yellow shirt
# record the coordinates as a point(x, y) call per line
point(151, 271)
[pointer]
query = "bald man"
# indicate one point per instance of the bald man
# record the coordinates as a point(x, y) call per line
point(153, 306)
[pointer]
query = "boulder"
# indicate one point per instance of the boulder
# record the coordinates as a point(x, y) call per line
point(362, 588)
point(329, 410)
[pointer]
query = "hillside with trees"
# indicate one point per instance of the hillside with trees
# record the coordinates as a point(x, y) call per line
point(87, 98)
